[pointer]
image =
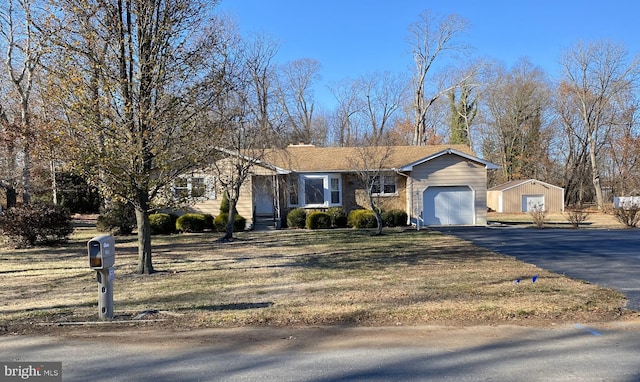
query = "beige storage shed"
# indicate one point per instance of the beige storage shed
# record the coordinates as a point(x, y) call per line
point(524, 196)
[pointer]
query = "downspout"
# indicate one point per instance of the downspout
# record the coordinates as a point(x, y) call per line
point(276, 182)
point(410, 197)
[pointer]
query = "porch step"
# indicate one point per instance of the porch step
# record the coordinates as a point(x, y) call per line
point(264, 223)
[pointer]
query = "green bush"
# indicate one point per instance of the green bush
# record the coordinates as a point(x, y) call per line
point(118, 219)
point(394, 218)
point(220, 223)
point(362, 219)
point(162, 224)
point(208, 218)
point(191, 223)
point(224, 204)
point(338, 217)
point(29, 225)
point(318, 220)
point(297, 218)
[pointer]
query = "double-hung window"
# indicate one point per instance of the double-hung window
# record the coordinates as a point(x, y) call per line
point(384, 185)
point(194, 187)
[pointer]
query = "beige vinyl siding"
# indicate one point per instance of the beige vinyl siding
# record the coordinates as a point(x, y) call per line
point(245, 201)
point(553, 197)
point(493, 200)
point(244, 206)
point(452, 170)
point(512, 196)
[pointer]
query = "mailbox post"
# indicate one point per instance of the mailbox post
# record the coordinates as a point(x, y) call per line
point(101, 251)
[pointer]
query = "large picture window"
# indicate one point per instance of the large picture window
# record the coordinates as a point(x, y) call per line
point(314, 190)
point(317, 190)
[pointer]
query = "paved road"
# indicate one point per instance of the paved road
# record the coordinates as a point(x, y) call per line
point(609, 258)
point(608, 352)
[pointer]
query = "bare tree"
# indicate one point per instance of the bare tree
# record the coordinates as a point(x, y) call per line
point(369, 164)
point(383, 93)
point(574, 151)
point(431, 37)
point(517, 107)
point(246, 112)
point(349, 105)
point(624, 149)
point(594, 75)
point(296, 98)
point(136, 102)
point(24, 45)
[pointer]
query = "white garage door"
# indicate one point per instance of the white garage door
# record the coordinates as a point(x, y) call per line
point(448, 206)
point(531, 202)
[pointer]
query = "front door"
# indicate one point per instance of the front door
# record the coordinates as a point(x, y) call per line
point(263, 195)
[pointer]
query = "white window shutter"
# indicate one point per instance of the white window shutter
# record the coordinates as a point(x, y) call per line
point(210, 184)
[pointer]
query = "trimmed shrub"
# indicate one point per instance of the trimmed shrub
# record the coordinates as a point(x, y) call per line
point(297, 218)
point(318, 220)
point(118, 219)
point(29, 225)
point(220, 223)
point(362, 219)
point(191, 223)
point(208, 218)
point(162, 224)
point(224, 204)
point(338, 217)
point(394, 218)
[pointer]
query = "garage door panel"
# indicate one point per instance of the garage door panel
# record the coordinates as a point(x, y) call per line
point(532, 202)
point(450, 205)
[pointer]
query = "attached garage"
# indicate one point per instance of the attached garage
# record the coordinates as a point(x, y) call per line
point(525, 195)
point(448, 205)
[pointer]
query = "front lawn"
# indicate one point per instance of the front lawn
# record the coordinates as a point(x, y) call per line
point(295, 278)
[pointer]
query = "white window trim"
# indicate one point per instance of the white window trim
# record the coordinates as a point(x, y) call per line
point(395, 182)
point(209, 184)
point(326, 183)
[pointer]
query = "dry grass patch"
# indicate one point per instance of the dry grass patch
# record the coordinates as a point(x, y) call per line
point(299, 277)
point(593, 219)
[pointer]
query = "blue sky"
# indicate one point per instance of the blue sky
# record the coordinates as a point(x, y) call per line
point(357, 37)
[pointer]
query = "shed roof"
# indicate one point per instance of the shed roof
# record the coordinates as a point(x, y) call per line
point(519, 182)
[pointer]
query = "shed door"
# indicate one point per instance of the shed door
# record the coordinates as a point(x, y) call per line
point(450, 205)
point(531, 202)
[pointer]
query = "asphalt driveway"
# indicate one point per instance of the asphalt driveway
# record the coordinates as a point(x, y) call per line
point(610, 258)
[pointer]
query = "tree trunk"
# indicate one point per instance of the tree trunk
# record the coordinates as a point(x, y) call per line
point(378, 221)
point(232, 219)
point(26, 176)
point(595, 172)
point(12, 197)
point(377, 212)
point(145, 265)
